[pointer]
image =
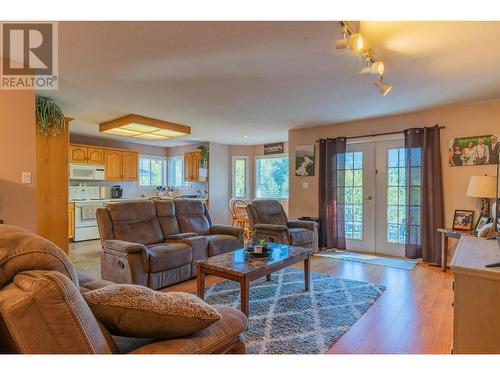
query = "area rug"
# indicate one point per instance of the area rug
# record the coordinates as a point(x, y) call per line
point(403, 264)
point(286, 319)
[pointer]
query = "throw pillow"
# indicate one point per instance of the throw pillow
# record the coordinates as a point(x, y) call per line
point(137, 311)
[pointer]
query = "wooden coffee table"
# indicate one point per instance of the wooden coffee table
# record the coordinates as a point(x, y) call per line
point(238, 266)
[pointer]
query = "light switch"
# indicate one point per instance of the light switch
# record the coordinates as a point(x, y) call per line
point(26, 178)
point(305, 185)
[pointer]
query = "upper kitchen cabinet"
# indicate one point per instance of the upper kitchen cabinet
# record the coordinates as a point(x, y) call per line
point(113, 164)
point(130, 165)
point(77, 154)
point(192, 166)
point(86, 154)
point(95, 155)
point(121, 165)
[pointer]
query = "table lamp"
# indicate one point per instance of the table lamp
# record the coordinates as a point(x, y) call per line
point(483, 187)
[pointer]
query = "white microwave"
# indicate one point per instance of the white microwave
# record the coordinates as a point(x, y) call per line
point(86, 172)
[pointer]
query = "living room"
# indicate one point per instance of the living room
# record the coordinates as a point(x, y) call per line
point(250, 186)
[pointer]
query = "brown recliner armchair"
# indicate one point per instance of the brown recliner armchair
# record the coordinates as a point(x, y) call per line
point(157, 244)
point(269, 222)
point(42, 310)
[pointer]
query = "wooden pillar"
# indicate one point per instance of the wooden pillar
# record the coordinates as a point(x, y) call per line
point(52, 187)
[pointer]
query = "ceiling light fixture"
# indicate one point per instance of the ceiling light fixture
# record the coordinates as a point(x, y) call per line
point(136, 126)
point(382, 86)
point(354, 41)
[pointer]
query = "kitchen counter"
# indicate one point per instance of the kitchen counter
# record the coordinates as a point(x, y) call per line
point(114, 200)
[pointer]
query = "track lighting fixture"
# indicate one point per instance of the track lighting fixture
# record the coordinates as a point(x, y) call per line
point(376, 67)
point(354, 42)
point(382, 86)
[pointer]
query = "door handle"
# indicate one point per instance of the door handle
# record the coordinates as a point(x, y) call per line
point(369, 197)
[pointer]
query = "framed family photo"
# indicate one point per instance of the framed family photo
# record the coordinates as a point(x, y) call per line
point(304, 160)
point(463, 220)
point(475, 150)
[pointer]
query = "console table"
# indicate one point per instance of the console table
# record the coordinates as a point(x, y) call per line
point(450, 233)
point(476, 305)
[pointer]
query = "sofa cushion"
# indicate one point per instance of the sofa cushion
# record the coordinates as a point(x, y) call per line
point(191, 216)
point(300, 236)
point(221, 244)
point(270, 211)
point(135, 222)
point(21, 250)
point(165, 211)
point(165, 256)
point(136, 311)
point(44, 313)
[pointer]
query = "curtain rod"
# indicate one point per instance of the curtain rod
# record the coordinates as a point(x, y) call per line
point(376, 134)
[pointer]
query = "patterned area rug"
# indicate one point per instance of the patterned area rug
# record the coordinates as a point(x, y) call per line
point(286, 319)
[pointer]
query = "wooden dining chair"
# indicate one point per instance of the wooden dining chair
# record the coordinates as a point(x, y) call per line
point(238, 210)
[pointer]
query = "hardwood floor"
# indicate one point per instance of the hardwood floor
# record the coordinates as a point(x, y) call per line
point(414, 315)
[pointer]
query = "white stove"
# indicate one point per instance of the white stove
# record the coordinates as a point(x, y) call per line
point(85, 219)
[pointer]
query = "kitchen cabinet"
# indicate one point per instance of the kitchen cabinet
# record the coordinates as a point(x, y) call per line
point(130, 166)
point(95, 155)
point(71, 221)
point(119, 165)
point(192, 166)
point(77, 154)
point(113, 164)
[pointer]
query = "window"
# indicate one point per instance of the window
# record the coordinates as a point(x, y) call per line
point(176, 171)
point(271, 176)
point(350, 180)
point(240, 176)
point(152, 170)
point(403, 195)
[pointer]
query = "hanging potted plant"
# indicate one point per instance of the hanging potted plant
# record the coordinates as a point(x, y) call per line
point(49, 116)
point(203, 162)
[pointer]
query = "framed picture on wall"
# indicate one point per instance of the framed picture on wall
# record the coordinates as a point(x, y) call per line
point(304, 160)
point(474, 150)
point(463, 220)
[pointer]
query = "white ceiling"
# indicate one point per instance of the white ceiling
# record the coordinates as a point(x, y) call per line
point(259, 79)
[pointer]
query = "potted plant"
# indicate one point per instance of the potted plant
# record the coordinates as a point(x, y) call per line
point(49, 116)
point(203, 162)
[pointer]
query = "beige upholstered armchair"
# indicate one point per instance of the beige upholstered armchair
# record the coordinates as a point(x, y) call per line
point(269, 221)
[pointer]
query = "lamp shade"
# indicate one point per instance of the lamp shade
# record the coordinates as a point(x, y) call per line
point(482, 187)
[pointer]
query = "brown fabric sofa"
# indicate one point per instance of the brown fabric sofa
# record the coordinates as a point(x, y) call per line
point(269, 222)
point(42, 310)
point(156, 244)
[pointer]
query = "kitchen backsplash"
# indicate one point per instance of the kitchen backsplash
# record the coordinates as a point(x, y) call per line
point(131, 189)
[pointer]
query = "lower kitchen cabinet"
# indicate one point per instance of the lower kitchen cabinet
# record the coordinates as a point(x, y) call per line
point(71, 221)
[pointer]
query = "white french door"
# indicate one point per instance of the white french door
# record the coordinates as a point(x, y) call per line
point(375, 195)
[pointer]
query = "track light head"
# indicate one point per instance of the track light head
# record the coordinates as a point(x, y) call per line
point(374, 68)
point(354, 42)
point(382, 86)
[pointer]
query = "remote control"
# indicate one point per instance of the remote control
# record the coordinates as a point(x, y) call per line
point(491, 265)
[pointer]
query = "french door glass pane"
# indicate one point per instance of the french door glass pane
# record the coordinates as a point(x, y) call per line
point(350, 180)
point(403, 197)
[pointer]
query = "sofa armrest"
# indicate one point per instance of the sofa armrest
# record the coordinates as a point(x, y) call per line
point(271, 227)
point(216, 338)
point(123, 246)
point(227, 230)
point(311, 225)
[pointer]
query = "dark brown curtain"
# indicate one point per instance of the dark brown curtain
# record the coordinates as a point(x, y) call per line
point(424, 186)
point(331, 193)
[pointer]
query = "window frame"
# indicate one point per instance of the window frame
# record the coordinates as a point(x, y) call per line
point(256, 174)
point(152, 157)
point(233, 177)
point(183, 182)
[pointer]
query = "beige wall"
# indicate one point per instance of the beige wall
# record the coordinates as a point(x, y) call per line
point(460, 120)
point(17, 155)
point(218, 193)
point(180, 150)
